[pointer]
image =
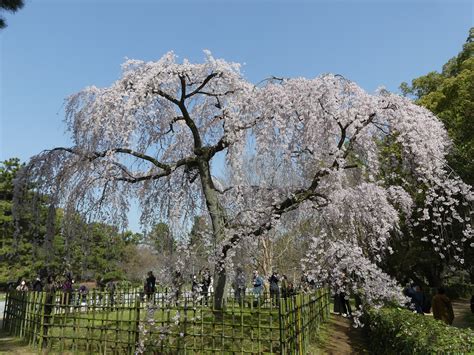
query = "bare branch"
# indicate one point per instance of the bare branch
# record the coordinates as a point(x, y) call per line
point(200, 87)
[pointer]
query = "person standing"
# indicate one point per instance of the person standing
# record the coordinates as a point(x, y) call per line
point(206, 282)
point(442, 307)
point(22, 287)
point(257, 286)
point(177, 285)
point(82, 295)
point(196, 287)
point(150, 285)
point(111, 287)
point(67, 289)
point(239, 285)
point(418, 299)
point(274, 289)
point(37, 285)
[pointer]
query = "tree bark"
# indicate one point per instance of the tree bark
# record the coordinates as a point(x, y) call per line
point(218, 220)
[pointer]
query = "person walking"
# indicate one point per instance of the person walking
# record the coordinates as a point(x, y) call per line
point(442, 307)
point(342, 305)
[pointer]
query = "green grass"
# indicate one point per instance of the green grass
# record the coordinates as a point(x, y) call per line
point(201, 328)
point(2, 296)
point(321, 338)
point(97, 328)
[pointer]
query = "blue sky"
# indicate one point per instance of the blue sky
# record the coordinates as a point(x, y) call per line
point(52, 49)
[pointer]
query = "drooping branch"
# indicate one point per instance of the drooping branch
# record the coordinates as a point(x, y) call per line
point(96, 155)
point(190, 162)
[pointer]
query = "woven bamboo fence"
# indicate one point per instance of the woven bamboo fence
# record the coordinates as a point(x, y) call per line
point(127, 322)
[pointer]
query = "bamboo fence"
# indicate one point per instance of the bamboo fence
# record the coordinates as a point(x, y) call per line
point(128, 322)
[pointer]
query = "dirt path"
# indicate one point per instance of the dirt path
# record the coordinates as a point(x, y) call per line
point(13, 345)
point(342, 338)
point(463, 318)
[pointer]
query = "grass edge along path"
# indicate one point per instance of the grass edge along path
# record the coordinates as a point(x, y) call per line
point(338, 336)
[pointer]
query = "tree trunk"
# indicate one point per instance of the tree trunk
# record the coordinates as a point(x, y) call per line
point(217, 215)
point(266, 255)
point(220, 288)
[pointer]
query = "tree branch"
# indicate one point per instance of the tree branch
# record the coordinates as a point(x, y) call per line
point(168, 168)
point(200, 87)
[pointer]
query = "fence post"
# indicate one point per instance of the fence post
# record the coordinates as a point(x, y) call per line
point(281, 325)
point(137, 322)
point(41, 320)
point(6, 311)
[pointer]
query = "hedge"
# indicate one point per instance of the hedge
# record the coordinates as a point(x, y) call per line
point(400, 331)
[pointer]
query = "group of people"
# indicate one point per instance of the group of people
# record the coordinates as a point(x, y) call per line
point(440, 304)
point(260, 285)
point(52, 284)
point(278, 286)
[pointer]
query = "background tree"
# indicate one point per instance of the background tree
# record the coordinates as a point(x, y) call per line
point(10, 6)
point(450, 95)
point(85, 249)
point(153, 134)
point(201, 244)
point(161, 239)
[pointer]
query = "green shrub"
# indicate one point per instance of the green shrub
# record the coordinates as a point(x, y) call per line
point(400, 331)
point(113, 276)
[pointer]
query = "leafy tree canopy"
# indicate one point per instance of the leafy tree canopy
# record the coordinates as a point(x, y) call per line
point(10, 6)
point(450, 95)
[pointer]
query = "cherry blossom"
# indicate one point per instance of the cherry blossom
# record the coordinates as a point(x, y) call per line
point(153, 134)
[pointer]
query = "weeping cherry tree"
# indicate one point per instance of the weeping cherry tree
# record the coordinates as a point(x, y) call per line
point(153, 135)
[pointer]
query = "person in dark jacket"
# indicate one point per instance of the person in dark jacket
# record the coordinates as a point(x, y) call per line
point(274, 289)
point(418, 299)
point(342, 305)
point(37, 285)
point(196, 287)
point(150, 285)
point(82, 295)
point(206, 281)
point(177, 285)
point(239, 285)
point(67, 289)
